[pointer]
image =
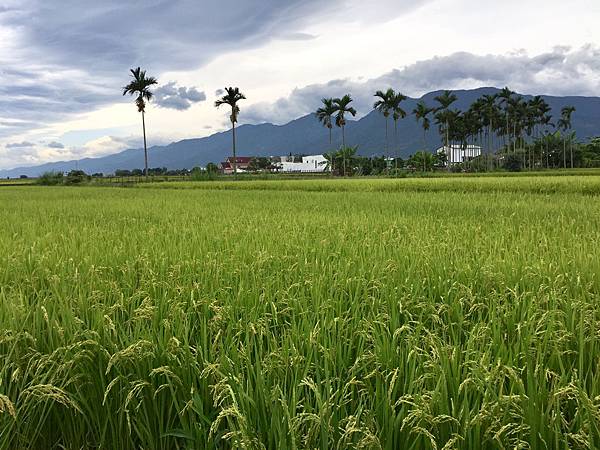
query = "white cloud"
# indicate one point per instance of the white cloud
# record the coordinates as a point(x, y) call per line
point(562, 71)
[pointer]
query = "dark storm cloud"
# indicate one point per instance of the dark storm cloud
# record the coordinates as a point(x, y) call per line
point(55, 145)
point(71, 56)
point(177, 97)
point(164, 34)
point(562, 71)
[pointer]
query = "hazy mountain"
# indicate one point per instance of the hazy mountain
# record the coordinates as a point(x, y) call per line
point(306, 135)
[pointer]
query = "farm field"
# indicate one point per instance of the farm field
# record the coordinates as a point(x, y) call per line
point(447, 313)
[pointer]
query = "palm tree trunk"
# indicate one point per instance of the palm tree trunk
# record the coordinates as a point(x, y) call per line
point(145, 147)
point(344, 137)
point(387, 146)
point(234, 156)
point(489, 161)
point(564, 153)
point(330, 136)
point(448, 145)
point(396, 145)
point(571, 151)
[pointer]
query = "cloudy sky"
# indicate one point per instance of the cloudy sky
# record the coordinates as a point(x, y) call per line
point(63, 62)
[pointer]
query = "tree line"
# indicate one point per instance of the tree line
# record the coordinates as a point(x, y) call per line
point(509, 130)
point(500, 124)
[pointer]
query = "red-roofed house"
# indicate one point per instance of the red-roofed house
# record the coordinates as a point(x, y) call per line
point(242, 163)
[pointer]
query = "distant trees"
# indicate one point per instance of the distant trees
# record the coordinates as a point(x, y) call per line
point(588, 154)
point(140, 87)
point(493, 126)
point(50, 178)
point(212, 167)
point(76, 177)
point(259, 163)
point(342, 160)
point(154, 171)
point(205, 174)
point(422, 160)
point(231, 98)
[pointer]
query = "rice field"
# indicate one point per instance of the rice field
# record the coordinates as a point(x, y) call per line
point(321, 314)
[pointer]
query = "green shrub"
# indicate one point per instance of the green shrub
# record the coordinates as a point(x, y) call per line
point(75, 177)
point(50, 179)
point(199, 174)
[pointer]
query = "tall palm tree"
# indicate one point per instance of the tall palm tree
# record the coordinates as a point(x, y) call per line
point(140, 86)
point(342, 106)
point(544, 118)
point(471, 122)
point(504, 97)
point(565, 124)
point(231, 98)
point(384, 106)
point(546, 121)
point(421, 113)
point(445, 100)
point(397, 114)
point(325, 114)
point(490, 113)
point(537, 107)
point(517, 108)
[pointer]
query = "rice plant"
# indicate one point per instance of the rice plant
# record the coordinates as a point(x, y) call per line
point(343, 314)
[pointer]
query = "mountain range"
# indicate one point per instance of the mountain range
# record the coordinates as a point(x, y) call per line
point(307, 136)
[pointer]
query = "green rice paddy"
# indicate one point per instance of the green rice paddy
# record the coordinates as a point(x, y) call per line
point(447, 313)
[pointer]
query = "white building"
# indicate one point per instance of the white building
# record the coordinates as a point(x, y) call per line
point(313, 163)
point(458, 154)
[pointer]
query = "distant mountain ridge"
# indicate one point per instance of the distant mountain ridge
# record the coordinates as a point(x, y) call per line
point(307, 136)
